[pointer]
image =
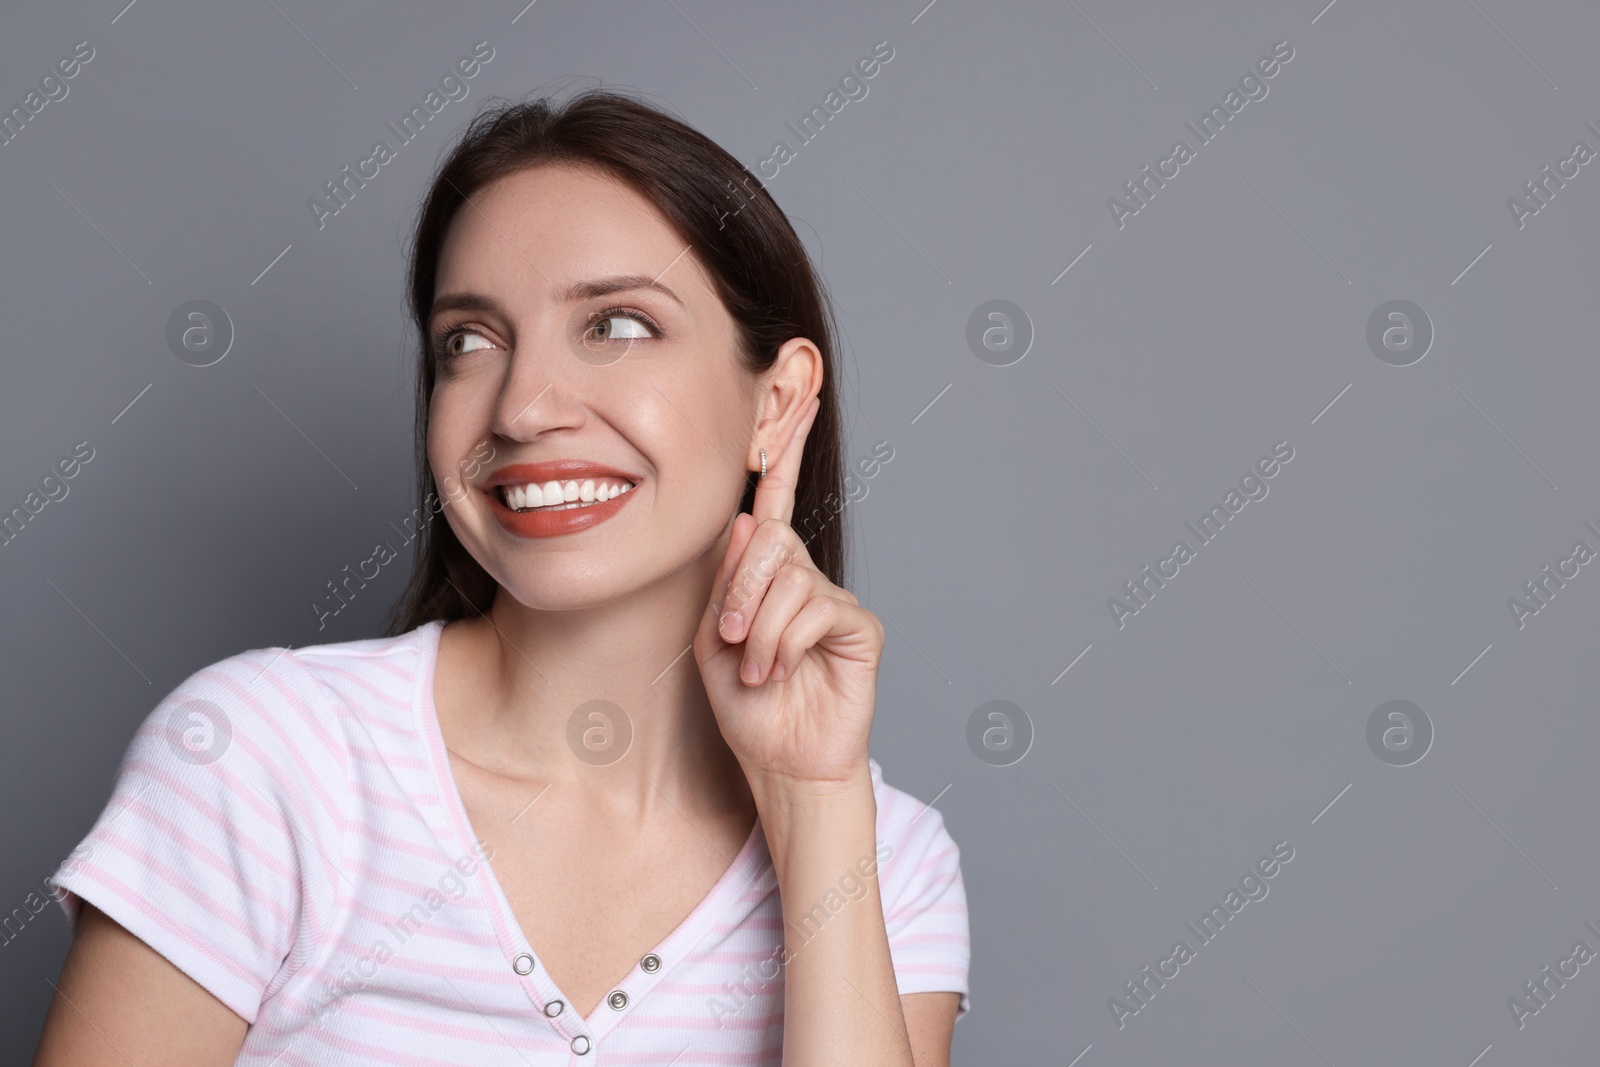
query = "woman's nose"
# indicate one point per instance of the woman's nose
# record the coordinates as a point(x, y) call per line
point(540, 391)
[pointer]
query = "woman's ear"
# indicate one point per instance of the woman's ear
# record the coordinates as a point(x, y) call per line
point(786, 391)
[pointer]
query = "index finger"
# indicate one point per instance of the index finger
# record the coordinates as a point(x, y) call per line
point(775, 492)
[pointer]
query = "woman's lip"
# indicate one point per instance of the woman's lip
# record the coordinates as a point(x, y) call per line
point(541, 524)
point(555, 470)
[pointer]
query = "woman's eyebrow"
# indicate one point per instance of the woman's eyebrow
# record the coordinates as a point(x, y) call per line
point(587, 290)
point(584, 290)
point(464, 302)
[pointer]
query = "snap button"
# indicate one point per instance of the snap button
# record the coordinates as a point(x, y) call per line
point(651, 963)
point(580, 1044)
point(553, 1008)
point(523, 964)
point(618, 1000)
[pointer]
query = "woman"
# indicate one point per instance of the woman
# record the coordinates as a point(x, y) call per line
point(524, 827)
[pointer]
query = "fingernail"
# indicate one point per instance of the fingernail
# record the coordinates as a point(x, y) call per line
point(750, 672)
point(730, 623)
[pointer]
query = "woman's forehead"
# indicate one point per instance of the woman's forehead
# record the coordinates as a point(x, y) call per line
point(561, 225)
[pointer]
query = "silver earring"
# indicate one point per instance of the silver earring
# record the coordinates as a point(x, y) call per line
point(763, 462)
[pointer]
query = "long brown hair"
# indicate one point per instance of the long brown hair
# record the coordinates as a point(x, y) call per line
point(747, 245)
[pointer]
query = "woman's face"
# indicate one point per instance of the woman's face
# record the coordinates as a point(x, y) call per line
point(566, 352)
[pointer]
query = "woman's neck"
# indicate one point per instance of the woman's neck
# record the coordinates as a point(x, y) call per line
point(509, 685)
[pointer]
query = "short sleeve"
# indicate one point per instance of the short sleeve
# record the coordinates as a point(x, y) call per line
point(217, 847)
point(924, 898)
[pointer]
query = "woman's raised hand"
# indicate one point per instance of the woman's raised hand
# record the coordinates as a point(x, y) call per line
point(789, 660)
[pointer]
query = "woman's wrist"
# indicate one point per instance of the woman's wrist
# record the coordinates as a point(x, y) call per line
point(782, 797)
point(805, 820)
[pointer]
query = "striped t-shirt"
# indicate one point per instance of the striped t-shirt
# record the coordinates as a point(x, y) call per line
point(286, 829)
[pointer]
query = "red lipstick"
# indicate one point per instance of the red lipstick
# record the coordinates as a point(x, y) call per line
point(555, 523)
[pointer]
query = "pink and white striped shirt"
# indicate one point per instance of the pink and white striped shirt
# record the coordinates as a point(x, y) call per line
point(286, 829)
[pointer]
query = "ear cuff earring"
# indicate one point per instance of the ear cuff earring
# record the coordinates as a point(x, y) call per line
point(763, 462)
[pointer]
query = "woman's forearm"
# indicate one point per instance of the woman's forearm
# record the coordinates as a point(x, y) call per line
point(841, 1002)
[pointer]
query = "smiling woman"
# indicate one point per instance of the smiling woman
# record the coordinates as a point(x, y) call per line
point(655, 379)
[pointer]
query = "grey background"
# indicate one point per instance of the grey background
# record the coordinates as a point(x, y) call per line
point(1224, 317)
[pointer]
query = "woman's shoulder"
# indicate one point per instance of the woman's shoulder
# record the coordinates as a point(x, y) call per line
point(283, 699)
point(924, 896)
point(223, 841)
point(898, 810)
point(910, 827)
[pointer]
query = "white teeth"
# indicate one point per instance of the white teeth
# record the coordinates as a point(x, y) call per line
point(553, 493)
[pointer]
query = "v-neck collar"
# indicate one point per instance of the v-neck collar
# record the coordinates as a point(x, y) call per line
point(751, 869)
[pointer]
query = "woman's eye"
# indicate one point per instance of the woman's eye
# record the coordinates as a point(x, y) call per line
point(456, 343)
point(620, 328)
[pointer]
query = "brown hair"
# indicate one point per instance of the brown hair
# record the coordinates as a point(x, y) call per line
point(748, 247)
